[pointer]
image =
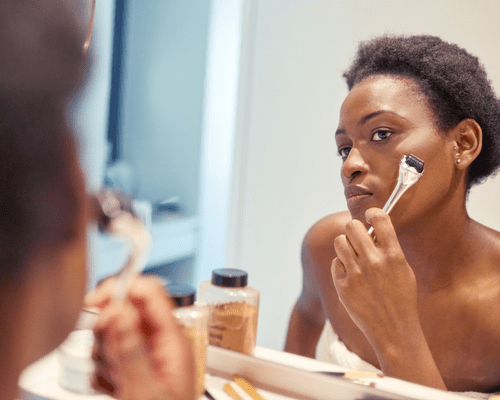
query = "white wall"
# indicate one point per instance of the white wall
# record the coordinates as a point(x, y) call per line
point(286, 172)
point(219, 119)
point(91, 122)
point(91, 116)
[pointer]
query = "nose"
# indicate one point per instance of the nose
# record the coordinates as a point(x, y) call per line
point(354, 165)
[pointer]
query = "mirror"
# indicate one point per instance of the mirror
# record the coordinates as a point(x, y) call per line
point(269, 86)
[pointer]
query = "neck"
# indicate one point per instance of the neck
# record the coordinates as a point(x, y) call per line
point(8, 384)
point(439, 246)
point(11, 364)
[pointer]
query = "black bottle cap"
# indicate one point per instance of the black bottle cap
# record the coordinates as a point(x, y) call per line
point(182, 294)
point(229, 277)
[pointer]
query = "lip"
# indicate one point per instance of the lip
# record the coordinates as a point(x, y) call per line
point(353, 191)
point(356, 194)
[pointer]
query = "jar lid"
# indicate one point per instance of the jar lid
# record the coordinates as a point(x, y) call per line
point(229, 277)
point(182, 294)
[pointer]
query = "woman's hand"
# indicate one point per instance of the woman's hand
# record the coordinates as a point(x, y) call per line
point(373, 280)
point(379, 291)
point(140, 352)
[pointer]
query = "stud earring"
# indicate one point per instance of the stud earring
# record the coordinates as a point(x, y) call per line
point(458, 161)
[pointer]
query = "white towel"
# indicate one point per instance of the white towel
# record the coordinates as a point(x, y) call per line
point(331, 349)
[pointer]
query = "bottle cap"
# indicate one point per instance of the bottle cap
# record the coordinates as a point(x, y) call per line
point(229, 277)
point(182, 294)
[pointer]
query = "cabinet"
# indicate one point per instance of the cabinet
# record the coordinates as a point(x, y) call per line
point(174, 241)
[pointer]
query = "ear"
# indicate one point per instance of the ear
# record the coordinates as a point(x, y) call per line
point(468, 142)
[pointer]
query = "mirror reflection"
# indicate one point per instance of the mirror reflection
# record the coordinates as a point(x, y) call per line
point(222, 124)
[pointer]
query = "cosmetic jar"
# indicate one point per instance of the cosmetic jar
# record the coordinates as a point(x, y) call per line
point(76, 367)
point(193, 319)
point(234, 308)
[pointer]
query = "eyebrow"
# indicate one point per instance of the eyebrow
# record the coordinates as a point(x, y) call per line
point(367, 117)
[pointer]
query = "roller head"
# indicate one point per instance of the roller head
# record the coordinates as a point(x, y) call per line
point(415, 162)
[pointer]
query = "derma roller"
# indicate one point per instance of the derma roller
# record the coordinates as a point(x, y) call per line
point(411, 169)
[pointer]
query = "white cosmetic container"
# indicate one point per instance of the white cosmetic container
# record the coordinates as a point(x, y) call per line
point(76, 367)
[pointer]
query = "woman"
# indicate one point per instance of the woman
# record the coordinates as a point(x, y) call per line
point(44, 213)
point(420, 302)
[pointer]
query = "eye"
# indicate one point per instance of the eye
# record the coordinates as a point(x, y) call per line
point(381, 134)
point(344, 152)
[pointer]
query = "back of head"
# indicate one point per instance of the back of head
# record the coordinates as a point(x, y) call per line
point(454, 82)
point(41, 65)
point(40, 47)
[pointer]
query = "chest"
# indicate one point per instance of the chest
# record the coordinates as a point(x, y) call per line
point(463, 336)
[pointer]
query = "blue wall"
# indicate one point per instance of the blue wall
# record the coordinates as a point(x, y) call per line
point(163, 89)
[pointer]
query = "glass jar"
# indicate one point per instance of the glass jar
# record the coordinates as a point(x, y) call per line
point(234, 308)
point(193, 319)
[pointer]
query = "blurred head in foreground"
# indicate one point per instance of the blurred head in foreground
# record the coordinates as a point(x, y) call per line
point(43, 208)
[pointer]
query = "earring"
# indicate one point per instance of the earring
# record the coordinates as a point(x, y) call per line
point(458, 161)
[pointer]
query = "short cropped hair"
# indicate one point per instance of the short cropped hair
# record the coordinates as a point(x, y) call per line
point(42, 65)
point(454, 82)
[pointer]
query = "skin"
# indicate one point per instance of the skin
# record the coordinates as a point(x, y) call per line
point(40, 321)
point(421, 302)
point(140, 352)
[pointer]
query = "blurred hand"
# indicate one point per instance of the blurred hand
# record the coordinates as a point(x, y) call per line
point(140, 353)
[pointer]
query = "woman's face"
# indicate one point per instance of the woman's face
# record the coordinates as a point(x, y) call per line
point(382, 119)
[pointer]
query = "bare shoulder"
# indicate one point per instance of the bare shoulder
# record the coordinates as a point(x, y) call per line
point(317, 247)
point(482, 272)
point(475, 305)
point(488, 246)
point(318, 252)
